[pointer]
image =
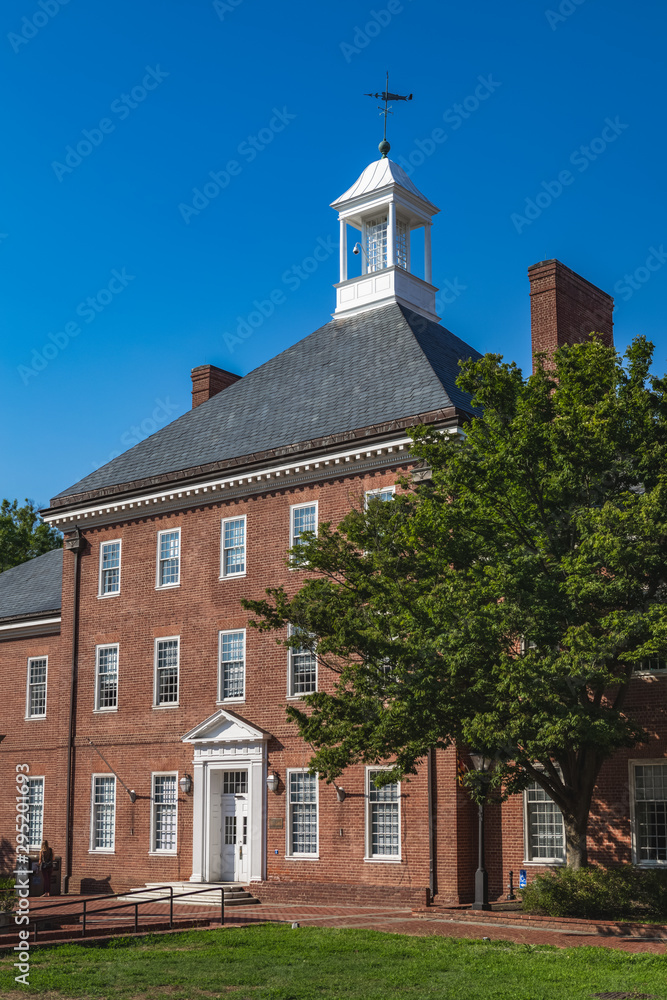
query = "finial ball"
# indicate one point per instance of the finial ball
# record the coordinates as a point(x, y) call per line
point(384, 147)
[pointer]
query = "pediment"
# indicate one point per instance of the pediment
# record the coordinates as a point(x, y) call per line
point(224, 727)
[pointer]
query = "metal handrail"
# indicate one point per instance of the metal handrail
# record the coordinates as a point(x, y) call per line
point(86, 912)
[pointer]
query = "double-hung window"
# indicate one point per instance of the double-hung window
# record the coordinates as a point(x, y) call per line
point(163, 820)
point(232, 666)
point(166, 671)
point(233, 556)
point(302, 814)
point(544, 830)
point(109, 568)
point(303, 517)
point(384, 493)
point(169, 558)
point(106, 678)
point(651, 665)
point(35, 811)
point(103, 813)
point(302, 666)
point(383, 821)
point(36, 694)
point(650, 813)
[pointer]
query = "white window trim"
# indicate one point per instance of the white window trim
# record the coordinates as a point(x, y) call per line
point(633, 819)
point(167, 704)
point(229, 701)
point(116, 593)
point(383, 859)
point(42, 715)
point(288, 821)
point(650, 673)
point(154, 851)
point(290, 677)
point(102, 850)
point(369, 494)
point(233, 576)
point(540, 862)
point(39, 777)
point(96, 704)
point(298, 506)
point(177, 583)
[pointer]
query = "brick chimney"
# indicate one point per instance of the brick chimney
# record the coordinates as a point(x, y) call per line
point(207, 381)
point(565, 308)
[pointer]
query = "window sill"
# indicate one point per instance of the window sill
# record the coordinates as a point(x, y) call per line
point(160, 708)
point(651, 864)
point(34, 718)
point(231, 701)
point(102, 850)
point(163, 854)
point(167, 586)
point(384, 861)
point(105, 711)
point(104, 597)
point(300, 697)
point(548, 862)
point(302, 857)
point(232, 576)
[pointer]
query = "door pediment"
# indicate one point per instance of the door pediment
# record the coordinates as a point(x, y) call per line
point(224, 727)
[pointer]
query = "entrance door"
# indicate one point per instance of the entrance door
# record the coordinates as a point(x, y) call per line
point(234, 849)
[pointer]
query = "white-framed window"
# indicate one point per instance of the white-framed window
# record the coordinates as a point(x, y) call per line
point(303, 517)
point(35, 812)
point(167, 652)
point(231, 675)
point(103, 813)
point(376, 244)
point(651, 665)
point(109, 568)
point(648, 781)
point(402, 244)
point(164, 813)
point(169, 558)
point(544, 832)
point(302, 801)
point(232, 547)
point(36, 688)
point(106, 678)
point(383, 493)
point(302, 666)
point(383, 818)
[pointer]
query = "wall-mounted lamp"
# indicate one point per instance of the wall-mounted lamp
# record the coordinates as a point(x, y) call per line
point(186, 784)
point(340, 793)
point(133, 796)
point(272, 781)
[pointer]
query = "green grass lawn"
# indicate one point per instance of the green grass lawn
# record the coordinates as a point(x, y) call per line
point(276, 962)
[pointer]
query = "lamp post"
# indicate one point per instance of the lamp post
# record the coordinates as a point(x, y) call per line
point(481, 764)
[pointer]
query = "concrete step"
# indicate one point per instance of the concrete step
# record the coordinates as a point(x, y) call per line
point(206, 895)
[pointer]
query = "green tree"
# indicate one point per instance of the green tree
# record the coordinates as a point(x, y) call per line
point(23, 534)
point(504, 606)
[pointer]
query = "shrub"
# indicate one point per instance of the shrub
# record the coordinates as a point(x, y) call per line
point(622, 893)
point(7, 895)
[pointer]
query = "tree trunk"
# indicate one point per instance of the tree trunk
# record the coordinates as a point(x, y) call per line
point(576, 847)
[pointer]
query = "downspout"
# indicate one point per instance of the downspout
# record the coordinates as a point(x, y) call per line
point(432, 880)
point(74, 542)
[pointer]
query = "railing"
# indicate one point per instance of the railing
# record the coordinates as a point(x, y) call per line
point(87, 912)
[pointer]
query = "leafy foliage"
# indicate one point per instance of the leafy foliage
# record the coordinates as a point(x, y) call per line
point(23, 534)
point(504, 606)
point(625, 893)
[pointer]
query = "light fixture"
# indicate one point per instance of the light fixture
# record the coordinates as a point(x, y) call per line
point(185, 784)
point(480, 762)
point(482, 765)
point(133, 796)
point(340, 793)
point(272, 781)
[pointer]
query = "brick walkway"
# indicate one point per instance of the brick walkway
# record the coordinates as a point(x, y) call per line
point(440, 921)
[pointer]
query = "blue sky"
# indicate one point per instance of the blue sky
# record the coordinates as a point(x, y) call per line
point(113, 288)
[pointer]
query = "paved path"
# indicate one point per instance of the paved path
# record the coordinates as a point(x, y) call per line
point(435, 921)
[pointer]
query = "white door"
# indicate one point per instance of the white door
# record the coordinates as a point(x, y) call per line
point(234, 815)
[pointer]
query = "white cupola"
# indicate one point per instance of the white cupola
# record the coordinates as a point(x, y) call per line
point(385, 207)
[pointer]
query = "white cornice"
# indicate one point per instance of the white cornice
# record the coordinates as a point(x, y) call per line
point(142, 504)
point(42, 625)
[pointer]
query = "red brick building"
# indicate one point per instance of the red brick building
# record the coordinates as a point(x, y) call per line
point(151, 719)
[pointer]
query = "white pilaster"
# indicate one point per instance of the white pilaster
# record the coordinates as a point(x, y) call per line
point(198, 823)
point(391, 234)
point(428, 269)
point(343, 250)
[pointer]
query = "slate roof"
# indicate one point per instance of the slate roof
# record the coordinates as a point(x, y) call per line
point(34, 587)
point(357, 371)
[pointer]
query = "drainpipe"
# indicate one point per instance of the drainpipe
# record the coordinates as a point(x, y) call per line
point(74, 542)
point(432, 880)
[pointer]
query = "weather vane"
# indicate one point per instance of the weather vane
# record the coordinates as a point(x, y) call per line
point(385, 96)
